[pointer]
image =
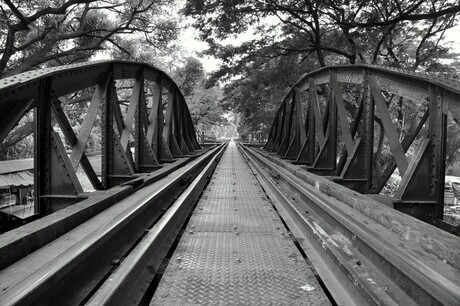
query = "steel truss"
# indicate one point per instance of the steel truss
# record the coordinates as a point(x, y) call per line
point(332, 118)
point(153, 130)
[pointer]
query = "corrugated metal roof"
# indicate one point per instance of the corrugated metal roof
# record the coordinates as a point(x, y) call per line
point(22, 178)
point(10, 166)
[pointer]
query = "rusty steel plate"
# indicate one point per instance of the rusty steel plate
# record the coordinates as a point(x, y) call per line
point(235, 250)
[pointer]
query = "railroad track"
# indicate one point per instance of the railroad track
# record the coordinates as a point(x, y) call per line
point(111, 258)
point(363, 253)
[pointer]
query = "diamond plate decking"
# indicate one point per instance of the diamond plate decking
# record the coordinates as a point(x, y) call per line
point(235, 250)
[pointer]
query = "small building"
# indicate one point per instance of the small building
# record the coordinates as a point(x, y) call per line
point(16, 180)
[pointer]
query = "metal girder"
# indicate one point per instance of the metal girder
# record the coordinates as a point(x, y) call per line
point(344, 104)
point(169, 132)
point(146, 158)
point(139, 140)
point(56, 184)
point(73, 140)
point(299, 135)
point(325, 161)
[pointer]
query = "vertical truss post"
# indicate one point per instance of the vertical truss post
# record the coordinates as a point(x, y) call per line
point(279, 132)
point(146, 159)
point(438, 139)
point(307, 151)
point(299, 137)
point(42, 147)
point(191, 131)
point(325, 162)
point(107, 146)
point(273, 133)
point(155, 131)
point(188, 137)
point(356, 168)
point(421, 191)
point(117, 163)
point(288, 126)
point(56, 184)
point(169, 132)
point(181, 125)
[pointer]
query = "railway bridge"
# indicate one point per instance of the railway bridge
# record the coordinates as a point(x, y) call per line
point(343, 205)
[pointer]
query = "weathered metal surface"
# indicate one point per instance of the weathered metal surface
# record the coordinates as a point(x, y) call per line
point(129, 282)
point(366, 253)
point(38, 92)
point(345, 105)
point(68, 268)
point(235, 250)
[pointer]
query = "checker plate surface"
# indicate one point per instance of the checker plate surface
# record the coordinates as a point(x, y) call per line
point(235, 250)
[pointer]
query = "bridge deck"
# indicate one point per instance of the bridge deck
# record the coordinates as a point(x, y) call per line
point(236, 250)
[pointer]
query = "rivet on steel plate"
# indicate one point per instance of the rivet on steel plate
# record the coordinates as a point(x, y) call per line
point(190, 232)
point(238, 260)
point(179, 258)
point(235, 209)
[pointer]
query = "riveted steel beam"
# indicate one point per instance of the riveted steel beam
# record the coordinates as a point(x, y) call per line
point(344, 106)
point(132, 142)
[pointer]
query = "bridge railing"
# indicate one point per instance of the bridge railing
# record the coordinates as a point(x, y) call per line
point(137, 109)
point(366, 127)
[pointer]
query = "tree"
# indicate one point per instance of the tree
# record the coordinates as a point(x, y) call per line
point(396, 32)
point(37, 33)
point(258, 92)
point(203, 102)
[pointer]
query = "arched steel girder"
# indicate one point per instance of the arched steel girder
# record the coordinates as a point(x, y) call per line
point(155, 127)
point(332, 120)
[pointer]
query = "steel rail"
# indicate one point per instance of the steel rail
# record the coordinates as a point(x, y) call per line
point(58, 275)
point(124, 286)
point(360, 260)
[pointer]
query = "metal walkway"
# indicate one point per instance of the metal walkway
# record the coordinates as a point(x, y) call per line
point(236, 250)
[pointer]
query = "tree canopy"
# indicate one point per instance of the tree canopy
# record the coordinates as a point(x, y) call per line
point(289, 38)
point(34, 33)
point(203, 102)
point(402, 33)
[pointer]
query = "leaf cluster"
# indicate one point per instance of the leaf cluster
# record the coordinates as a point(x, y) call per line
point(36, 33)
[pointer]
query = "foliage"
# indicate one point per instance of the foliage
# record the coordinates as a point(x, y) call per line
point(41, 33)
point(203, 102)
point(396, 32)
point(295, 37)
point(257, 94)
point(37, 33)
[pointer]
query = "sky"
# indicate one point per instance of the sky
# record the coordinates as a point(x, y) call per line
point(192, 45)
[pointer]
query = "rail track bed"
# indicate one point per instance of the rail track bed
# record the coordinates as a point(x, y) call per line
point(232, 226)
point(236, 250)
